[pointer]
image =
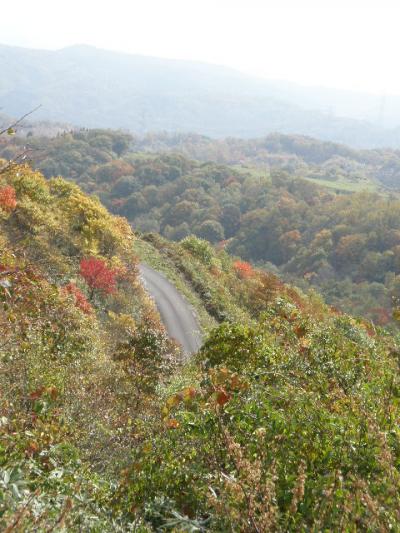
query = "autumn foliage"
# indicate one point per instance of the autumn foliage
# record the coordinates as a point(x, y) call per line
point(8, 200)
point(243, 269)
point(381, 316)
point(80, 299)
point(98, 275)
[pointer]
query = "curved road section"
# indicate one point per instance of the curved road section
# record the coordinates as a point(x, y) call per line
point(178, 317)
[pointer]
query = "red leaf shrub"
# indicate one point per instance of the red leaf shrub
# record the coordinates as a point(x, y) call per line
point(98, 275)
point(80, 299)
point(8, 200)
point(243, 269)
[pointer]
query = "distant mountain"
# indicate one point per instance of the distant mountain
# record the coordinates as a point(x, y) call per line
point(90, 87)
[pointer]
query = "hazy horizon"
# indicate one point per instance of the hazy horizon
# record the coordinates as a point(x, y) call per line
point(314, 85)
point(342, 45)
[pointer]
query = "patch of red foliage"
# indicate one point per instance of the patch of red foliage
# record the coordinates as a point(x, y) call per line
point(243, 269)
point(98, 275)
point(80, 299)
point(8, 200)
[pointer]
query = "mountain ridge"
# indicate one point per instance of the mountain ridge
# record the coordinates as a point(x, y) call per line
point(91, 87)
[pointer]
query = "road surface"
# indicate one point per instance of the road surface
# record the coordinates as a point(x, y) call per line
point(178, 317)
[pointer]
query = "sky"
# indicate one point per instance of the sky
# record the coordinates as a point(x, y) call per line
point(350, 44)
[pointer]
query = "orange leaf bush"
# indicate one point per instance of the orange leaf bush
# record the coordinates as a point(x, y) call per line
point(243, 269)
point(8, 200)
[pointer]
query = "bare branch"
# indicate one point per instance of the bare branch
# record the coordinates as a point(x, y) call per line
point(18, 159)
point(20, 120)
point(20, 514)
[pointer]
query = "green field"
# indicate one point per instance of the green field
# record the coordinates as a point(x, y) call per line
point(341, 184)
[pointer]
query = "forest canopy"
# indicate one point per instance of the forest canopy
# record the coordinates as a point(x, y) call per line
point(345, 245)
point(285, 420)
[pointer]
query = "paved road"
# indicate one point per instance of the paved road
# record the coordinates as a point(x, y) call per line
point(177, 315)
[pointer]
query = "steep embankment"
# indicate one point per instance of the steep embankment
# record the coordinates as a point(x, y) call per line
point(82, 353)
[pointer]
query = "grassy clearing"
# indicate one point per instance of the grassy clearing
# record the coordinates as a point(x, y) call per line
point(347, 185)
point(340, 185)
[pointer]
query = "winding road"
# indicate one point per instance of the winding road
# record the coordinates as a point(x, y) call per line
point(179, 318)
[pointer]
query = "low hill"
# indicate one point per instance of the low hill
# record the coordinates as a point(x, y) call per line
point(90, 87)
point(333, 165)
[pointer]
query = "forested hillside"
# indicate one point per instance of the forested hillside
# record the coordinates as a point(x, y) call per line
point(285, 420)
point(283, 425)
point(89, 87)
point(78, 337)
point(345, 245)
point(333, 165)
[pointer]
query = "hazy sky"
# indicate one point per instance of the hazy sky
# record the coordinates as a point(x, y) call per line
point(350, 44)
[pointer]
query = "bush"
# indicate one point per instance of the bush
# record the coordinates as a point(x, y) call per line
point(199, 248)
point(291, 427)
